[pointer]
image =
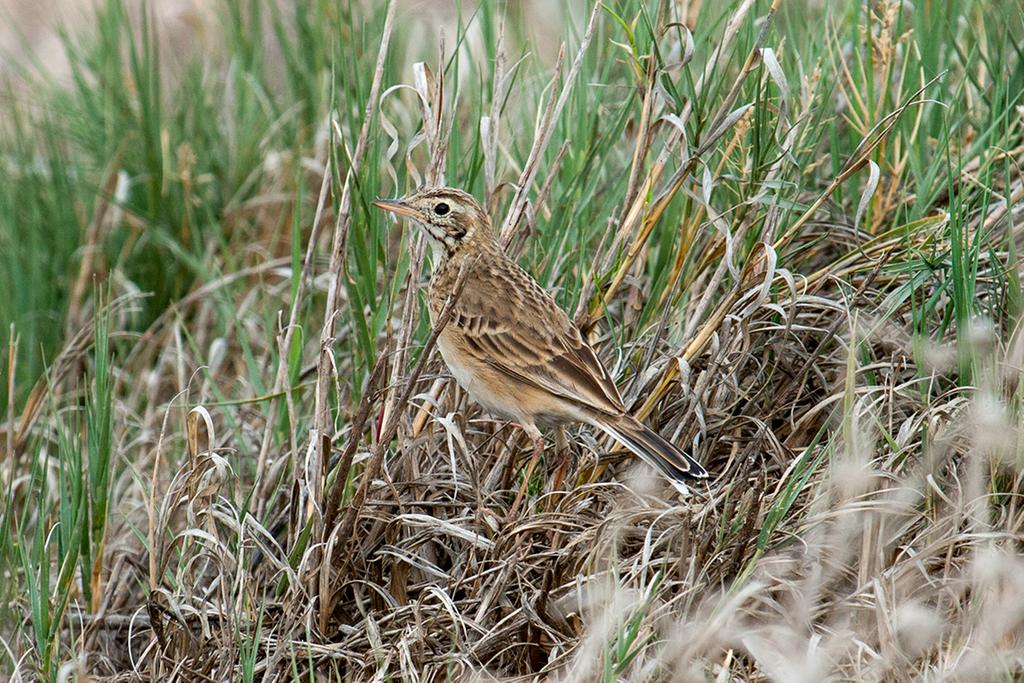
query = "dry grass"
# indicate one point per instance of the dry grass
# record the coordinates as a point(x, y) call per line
point(830, 329)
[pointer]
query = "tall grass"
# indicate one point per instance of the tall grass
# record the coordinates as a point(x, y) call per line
point(789, 228)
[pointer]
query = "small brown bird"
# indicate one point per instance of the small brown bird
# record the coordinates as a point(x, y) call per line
point(509, 344)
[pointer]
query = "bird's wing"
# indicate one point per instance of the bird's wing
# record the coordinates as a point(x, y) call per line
point(512, 324)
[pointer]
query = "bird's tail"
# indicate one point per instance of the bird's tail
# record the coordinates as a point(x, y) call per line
point(650, 447)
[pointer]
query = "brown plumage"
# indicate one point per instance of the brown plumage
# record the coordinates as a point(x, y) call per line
point(509, 344)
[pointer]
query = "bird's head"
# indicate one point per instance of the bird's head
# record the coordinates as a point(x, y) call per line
point(452, 218)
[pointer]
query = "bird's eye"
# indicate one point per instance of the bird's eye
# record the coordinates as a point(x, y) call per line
point(441, 209)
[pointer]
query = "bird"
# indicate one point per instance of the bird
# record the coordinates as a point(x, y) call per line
point(509, 344)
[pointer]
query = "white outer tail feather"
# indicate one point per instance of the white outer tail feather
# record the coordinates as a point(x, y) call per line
point(644, 454)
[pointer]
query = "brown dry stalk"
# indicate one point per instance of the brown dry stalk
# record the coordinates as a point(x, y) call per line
point(325, 366)
point(285, 344)
point(857, 160)
point(63, 363)
point(358, 426)
point(371, 393)
point(91, 246)
point(439, 128)
point(636, 217)
point(388, 431)
point(490, 126)
point(543, 133)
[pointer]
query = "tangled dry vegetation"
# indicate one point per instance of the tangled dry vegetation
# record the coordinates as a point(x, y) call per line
point(805, 269)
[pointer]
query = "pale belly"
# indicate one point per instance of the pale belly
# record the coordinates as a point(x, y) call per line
point(471, 377)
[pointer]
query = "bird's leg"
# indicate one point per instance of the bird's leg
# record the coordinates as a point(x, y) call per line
point(562, 449)
point(538, 448)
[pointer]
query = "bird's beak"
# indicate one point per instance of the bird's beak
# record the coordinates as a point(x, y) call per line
point(399, 207)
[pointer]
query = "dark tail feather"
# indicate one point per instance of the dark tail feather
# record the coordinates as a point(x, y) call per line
point(649, 446)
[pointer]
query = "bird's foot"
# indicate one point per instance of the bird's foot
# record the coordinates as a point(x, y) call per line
point(538, 449)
